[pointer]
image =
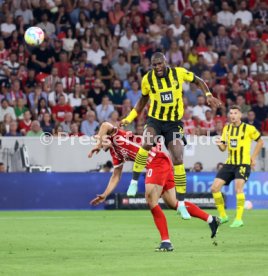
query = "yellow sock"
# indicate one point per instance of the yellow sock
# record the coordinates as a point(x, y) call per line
point(240, 203)
point(140, 162)
point(180, 179)
point(219, 202)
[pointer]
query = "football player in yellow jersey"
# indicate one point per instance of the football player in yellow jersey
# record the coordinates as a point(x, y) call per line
point(236, 138)
point(163, 86)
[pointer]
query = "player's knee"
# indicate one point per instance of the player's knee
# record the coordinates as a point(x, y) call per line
point(150, 200)
point(215, 188)
point(177, 160)
point(238, 190)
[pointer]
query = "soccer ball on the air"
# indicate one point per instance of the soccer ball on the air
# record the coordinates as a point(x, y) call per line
point(34, 36)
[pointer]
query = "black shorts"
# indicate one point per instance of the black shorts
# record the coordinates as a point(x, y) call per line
point(169, 130)
point(230, 172)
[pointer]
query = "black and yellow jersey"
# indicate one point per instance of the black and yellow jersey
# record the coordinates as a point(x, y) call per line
point(166, 93)
point(238, 140)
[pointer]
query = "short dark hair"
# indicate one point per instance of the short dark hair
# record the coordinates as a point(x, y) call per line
point(237, 107)
point(158, 55)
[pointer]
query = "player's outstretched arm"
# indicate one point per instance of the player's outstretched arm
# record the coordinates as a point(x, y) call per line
point(212, 101)
point(113, 182)
point(141, 103)
point(256, 152)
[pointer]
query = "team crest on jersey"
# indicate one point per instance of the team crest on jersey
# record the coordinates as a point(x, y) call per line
point(174, 83)
point(233, 143)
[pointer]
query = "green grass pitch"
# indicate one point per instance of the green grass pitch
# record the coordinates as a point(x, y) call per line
point(123, 242)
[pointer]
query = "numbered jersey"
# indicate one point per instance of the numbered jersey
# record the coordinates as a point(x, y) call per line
point(125, 146)
point(238, 140)
point(166, 93)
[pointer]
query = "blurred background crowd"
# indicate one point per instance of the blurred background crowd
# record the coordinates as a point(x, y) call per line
point(89, 68)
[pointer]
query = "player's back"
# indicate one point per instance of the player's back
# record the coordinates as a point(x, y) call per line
point(125, 146)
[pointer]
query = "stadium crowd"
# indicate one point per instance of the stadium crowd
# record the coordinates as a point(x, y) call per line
point(89, 68)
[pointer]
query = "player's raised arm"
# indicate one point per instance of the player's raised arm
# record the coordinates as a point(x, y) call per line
point(113, 182)
point(141, 103)
point(212, 101)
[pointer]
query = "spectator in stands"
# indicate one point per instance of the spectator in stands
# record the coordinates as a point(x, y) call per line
point(36, 130)
point(104, 109)
point(76, 97)
point(193, 94)
point(26, 123)
point(20, 108)
point(63, 65)
point(220, 69)
point(63, 20)
point(69, 41)
point(221, 42)
point(90, 126)
point(251, 120)
point(200, 109)
point(51, 80)
point(7, 27)
point(240, 101)
point(95, 53)
point(244, 14)
point(189, 125)
point(47, 26)
point(5, 108)
point(225, 17)
point(13, 130)
point(41, 59)
point(114, 118)
point(260, 109)
point(208, 125)
point(2, 167)
point(75, 130)
point(53, 96)
point(259, 69)
point(59, 110)
point(15, 93)
point(127, 39)
point(174, 55)
point(42, 108)
point(5, 125)
point(105, 72)
point(11, 66)
point(35, 96)
point(70, 81)
point(219, 166)
point(134, 93)
point(117, 94)
point(121, 68)
point(96, 94)
point(218, 128)
point(26, 13)
point(177, 27)
point(47, 124)
point(66, 124)
point(198, 167)
point(200, 66)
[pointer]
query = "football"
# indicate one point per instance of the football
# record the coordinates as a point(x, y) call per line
point(34, 36)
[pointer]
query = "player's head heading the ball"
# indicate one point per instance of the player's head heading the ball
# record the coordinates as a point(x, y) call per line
point(235, 114)
point(159, 64)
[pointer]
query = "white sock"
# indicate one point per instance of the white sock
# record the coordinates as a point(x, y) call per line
point(181, 203)
point(210, 219)
point(166, 241)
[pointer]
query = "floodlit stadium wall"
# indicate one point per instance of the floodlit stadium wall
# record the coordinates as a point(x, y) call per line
point(56, 191)
point(69, 154)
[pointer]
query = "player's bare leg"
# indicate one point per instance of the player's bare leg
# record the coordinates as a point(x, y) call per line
point(175, 149)
point(170, 199)
point(152, 194)
point(141, 159)
point(240, 203)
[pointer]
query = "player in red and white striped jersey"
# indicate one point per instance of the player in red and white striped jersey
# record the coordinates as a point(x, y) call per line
point(123, 146)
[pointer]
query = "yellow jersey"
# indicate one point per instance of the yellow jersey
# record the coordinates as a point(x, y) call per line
point(165, 93)
point(238, 140)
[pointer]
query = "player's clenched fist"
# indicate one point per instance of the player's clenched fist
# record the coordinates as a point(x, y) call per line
point(99, 199)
